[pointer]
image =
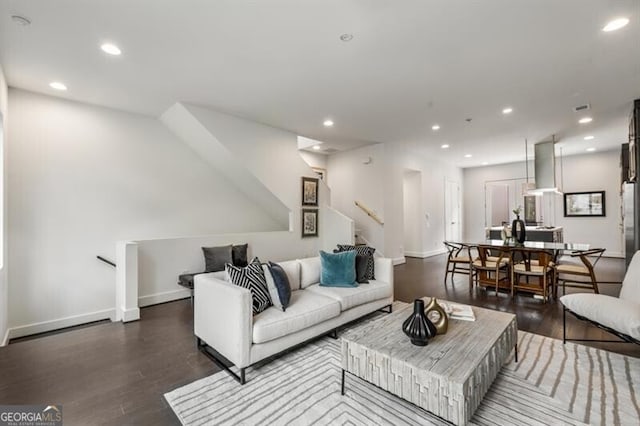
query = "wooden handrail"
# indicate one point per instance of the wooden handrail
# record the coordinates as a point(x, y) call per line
point(369, 212)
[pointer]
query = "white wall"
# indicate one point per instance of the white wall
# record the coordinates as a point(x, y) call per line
point(594, 172)
point(314, 160)
point(589, 172)
point(4, 296)
point(81, 178)
point(379, 185)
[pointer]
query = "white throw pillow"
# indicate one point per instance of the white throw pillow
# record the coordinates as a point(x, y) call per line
point(309, 271)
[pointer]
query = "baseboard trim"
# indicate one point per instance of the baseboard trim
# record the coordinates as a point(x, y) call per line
point(167, 296)
point(132, 314)
point(615, 254)
point(424, 254)
point(44, 326)
point(398, 260)
point(5, 339)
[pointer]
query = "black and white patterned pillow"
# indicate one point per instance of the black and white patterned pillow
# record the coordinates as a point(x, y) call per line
point(365, 251)
point(252, 278)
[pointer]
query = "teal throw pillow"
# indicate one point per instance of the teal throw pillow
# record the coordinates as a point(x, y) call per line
point(338, 269)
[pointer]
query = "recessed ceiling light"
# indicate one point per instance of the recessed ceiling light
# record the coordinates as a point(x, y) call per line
point(484, 163)
point(346, 37)
point(328, 123)
point(507, 110)
point(435, 127)
point(616, 24)
point(590, 149)
point(57, 85)
point(468, 156)
point(111, 49)
point(445, 146)
point(21, 20)
point(585, 120)
point(316, 147)
point(588, 138)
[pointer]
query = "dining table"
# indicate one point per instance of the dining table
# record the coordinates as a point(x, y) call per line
point(556, 248)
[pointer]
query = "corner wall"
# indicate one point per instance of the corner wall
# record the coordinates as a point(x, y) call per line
point(374, 175)
point(82, 177)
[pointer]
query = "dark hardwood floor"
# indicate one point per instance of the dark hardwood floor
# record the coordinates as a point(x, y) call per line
point(112, 373)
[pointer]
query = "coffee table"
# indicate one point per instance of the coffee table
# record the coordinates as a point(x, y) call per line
point(448, 377)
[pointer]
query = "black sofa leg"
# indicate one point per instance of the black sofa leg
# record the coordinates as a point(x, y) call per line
point(334, 334)
point(242, 377)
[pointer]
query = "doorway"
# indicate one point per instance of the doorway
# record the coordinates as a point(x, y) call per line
point(412, 208)
point(452, 228)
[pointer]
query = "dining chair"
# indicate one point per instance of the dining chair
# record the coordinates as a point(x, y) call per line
point(458, 261)
point(490, 269)
point(536, 265)
point(579, 275)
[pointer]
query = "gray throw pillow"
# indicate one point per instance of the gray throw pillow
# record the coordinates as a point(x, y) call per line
point(363, 250)
point(216, 257)
point(362, 264)
point(239, 254)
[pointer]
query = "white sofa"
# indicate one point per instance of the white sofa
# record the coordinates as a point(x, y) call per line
point(223, 319)
point(617, 315)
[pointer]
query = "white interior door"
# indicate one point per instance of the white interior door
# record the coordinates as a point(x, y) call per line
point(452, 229)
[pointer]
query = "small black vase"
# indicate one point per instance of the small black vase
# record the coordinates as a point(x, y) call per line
point(417, 326)
point(518, 230)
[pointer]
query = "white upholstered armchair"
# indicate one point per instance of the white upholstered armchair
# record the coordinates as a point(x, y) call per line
point(617, 315)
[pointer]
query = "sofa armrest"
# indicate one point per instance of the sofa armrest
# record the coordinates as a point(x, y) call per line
point(383, 270)
point(223, 318)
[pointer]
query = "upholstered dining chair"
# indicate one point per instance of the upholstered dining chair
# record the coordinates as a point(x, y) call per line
point(579, 275)
point(533, 265)
point(458, 261)
point(491, 267)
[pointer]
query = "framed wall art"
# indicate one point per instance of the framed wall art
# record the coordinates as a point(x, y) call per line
point(309, 191)
point(584, 204)
point(309, 223)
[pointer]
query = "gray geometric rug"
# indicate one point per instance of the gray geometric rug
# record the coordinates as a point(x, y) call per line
point(552, 384)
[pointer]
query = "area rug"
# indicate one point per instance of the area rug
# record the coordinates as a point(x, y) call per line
point(552, 384)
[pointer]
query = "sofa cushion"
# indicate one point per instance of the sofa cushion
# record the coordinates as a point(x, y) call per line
point(292, 269)
point(619, 314)
point(350, 297)
point(305, 310)
point(309, 271)
point(338, 269)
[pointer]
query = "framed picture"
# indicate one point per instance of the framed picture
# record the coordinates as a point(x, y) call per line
point(309, 223)
point(322, 173)
point(581, 204)
point(309, 191)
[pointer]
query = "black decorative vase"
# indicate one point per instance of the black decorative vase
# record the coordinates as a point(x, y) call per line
point(518, 230)
point(417, 326)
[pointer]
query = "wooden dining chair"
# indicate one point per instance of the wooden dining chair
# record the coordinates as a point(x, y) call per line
point(458, 261)
point(579, 275)
point(533, 265)
point(491, 267)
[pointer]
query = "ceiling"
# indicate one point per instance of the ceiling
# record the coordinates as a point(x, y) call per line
point(410, 64)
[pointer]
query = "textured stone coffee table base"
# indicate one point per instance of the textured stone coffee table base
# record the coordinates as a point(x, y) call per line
point(421, 376)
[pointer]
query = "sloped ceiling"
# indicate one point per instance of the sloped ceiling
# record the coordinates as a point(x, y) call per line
point(410, 64)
